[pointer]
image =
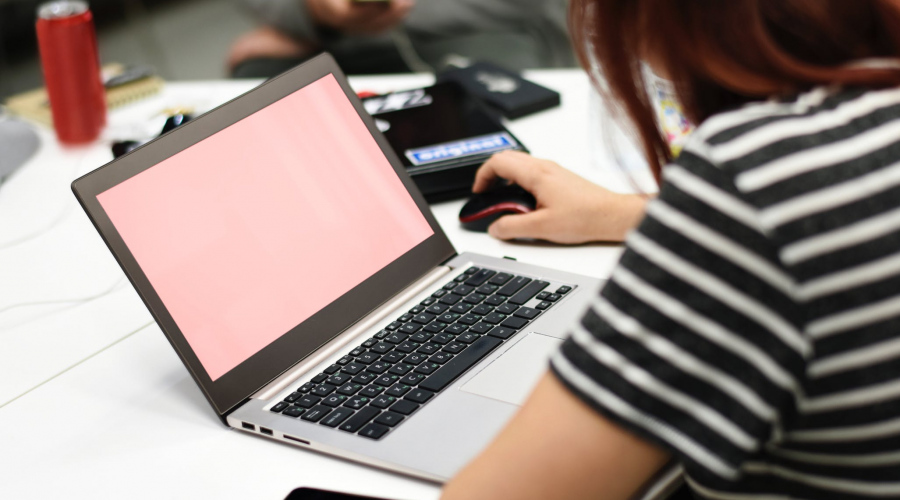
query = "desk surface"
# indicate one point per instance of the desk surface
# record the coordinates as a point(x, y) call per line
point(94, 402)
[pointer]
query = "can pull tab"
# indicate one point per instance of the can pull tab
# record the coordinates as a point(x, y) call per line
point(58, 10)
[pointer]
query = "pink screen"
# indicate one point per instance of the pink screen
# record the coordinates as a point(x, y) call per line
point(250, 232)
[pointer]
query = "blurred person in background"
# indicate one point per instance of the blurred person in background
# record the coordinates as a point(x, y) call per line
point(403, 35)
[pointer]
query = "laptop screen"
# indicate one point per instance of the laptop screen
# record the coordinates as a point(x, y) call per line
point(254, 229)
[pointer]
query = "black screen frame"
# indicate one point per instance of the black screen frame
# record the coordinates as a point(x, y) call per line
point(237, 385)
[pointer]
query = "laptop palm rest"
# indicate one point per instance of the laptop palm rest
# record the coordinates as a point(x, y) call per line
point(511, 377)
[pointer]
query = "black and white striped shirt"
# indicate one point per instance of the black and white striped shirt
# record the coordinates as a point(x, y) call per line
point(752, 326)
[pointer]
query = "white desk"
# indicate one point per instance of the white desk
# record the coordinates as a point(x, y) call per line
point(94, 403)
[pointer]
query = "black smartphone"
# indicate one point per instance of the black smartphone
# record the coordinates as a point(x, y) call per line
point(315, 494)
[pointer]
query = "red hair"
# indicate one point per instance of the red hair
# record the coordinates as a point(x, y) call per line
point(724, 53)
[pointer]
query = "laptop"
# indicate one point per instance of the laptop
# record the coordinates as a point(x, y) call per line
point(301, 277)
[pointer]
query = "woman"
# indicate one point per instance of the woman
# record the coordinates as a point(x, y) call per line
point(751, 331)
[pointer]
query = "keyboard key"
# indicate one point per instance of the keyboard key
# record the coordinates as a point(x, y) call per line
point(349, 389)
point(435, 327)
point(381, 334)
point(454, 347)
point(294, 411)
point(357, 352)
point(469, 319)
point(308, 401)
point(483, 310)
point(408, 347)
point(437, 308)
point(323, 390)
point(410, 328)
point(353, 368)
point(424, 318)
point(367, 357)
point(440, 358)
point(279, 406)
point(415, 358)
point(382, 347)
point(378, 367)
point(463, 290)
point(427, 368)
point(383, 401)
point(371, 342)
point(458, 365)
point(553, 297)
point(427, 302)
point(544, 305)
point(448, 317)
point(412, 378)
point(334, 400)
point(392, 357)
point(395, 338)
point(294, 396)
point(337, 416)
point(502, 332)
point(417, 310)
point(487, 289)
point(527, 313)
point(500, 279)
point(387, 380)
point(442, 338)
point(507, 309)
point(364, 378)
point(472, 270)
point(451, 285)
point(461, 308)
point(356, 402)
point(401, 369)
point(563, 290)
point(479, 277)
point(514, 322)
point(332, 369)
point(455, 329)
point(318, 379)
point(527, 293)
point(421, 337)
point(542, 295)
point(389, 418)
point(438, 294)
point(461, 278)
point(513, 286)
point(494, 300)
point(494, 318)
point(467, 338)
point(339, 379)
point(374, 431)
point(404, 407)
point(398, 390)
point(359, 419)
point(474, 298)
point(316, 414)
point(371, 391)
point(419, 395)
point(429, 348)
point(406, 317)
point(481, 328)
point(450, 299)
point(345, 360)
point(306, 387)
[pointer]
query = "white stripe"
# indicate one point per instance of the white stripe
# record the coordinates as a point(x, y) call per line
point(703, 326)
point(876, 430)
point(869, 460)
point(722, 201)
point(858, 358)
point(840, 281)
point(855, 398)
point(727, 495)
point(845, 237)
point(652, 386)
point(658, 428)
point(721, 245)
point(684, 360)
point(755, 111)
point(721, 290)
point(823, 156)
point(854, 318)
point(843, 114)
point(875, 489)
point(824, 199)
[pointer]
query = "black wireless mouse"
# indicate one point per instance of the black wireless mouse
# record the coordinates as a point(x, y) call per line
point(482, 209)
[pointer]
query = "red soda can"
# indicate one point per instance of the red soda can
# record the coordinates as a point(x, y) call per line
point(71, 64)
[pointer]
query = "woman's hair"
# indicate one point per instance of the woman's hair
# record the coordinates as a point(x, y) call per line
point(720, 54)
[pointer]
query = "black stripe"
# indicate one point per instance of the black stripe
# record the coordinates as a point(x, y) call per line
point(858, 337)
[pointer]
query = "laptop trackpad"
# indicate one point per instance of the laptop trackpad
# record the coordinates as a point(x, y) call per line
point(512, 376)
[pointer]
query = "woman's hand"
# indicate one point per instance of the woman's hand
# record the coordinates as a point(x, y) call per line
point(570, 209)
point(359, 18)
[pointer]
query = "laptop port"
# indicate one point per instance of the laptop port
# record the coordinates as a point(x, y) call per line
point(267, 432)
point(248, 426)
point(292, 438)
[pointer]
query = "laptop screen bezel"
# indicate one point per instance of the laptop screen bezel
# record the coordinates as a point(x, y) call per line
point(235, 386)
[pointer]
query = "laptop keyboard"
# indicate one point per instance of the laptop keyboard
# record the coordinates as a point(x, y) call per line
point(380, 383)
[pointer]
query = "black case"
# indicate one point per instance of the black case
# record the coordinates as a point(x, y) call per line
point(502, 89)
point(441, 118)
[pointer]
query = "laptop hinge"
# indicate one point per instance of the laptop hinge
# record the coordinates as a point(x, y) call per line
point(289, 377)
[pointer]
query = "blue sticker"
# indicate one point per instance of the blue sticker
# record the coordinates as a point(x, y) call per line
point(459, 149)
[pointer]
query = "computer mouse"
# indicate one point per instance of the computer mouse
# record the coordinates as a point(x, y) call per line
point(483, 209)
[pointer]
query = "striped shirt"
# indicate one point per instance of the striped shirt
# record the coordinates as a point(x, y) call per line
point(752, 326)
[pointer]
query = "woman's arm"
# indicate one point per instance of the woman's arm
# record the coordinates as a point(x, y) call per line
point(558, 447)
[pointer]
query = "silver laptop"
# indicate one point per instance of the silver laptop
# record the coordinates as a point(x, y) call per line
point(301, 277)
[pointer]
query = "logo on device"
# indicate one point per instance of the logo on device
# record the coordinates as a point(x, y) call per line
point(497, 82)
point(397, 101)
point(459, 149)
